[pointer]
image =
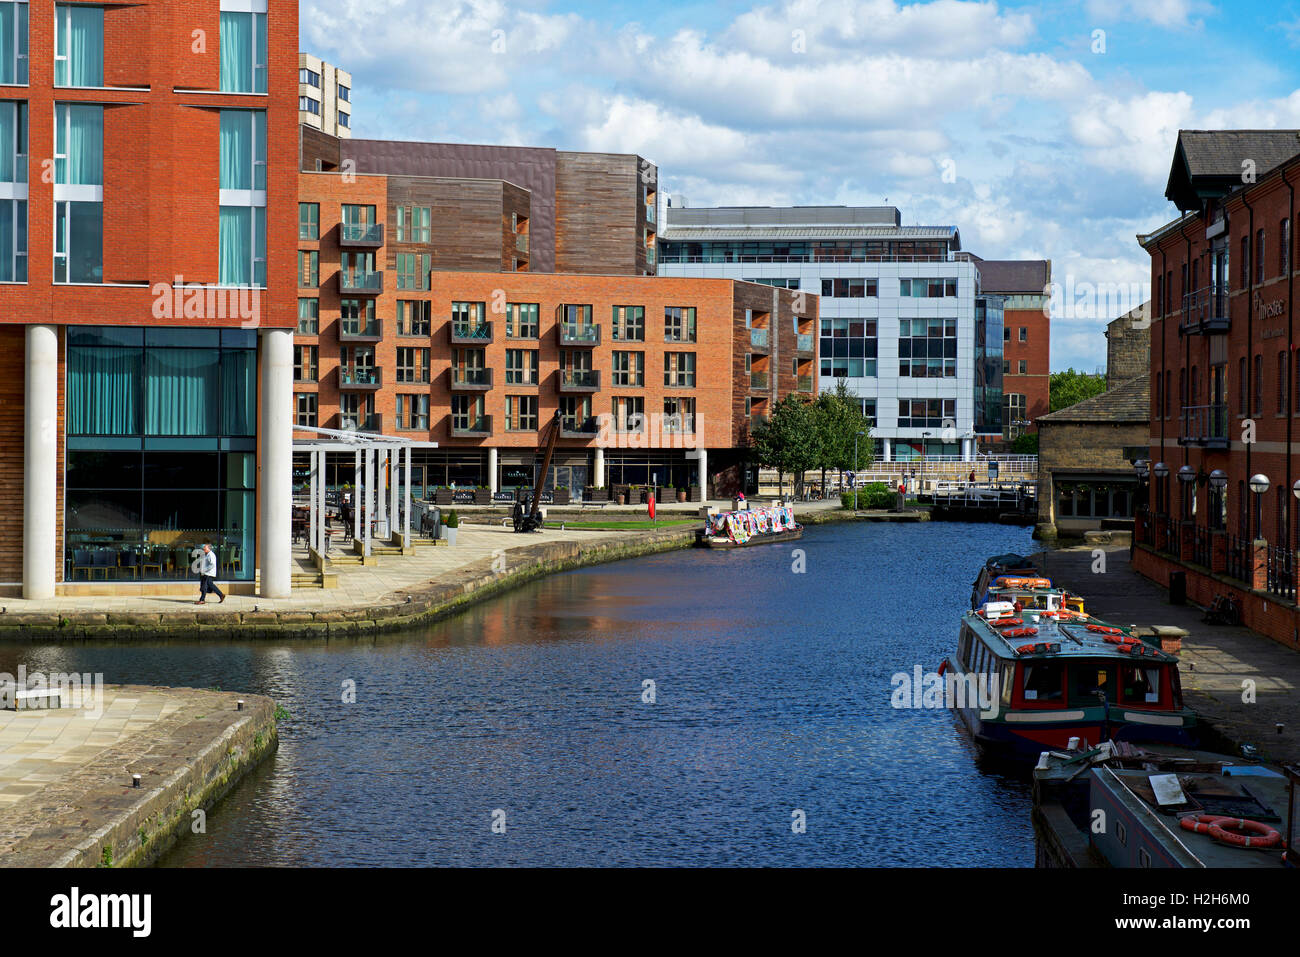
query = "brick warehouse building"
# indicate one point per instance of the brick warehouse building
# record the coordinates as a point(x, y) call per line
point(1225, 382)
point(139, 417)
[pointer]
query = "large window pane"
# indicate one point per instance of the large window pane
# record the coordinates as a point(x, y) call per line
point(104, 391)
point(13, 44)
point(13, 240)
point(238, 392)
point(181, 392)
point(78, 242)
point(243, 149)
point(243, 52)
point(235, 246)
point(78, 144)
point(13, 142)
point(78, 45)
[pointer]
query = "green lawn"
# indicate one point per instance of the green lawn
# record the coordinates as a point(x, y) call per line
point(615, 526)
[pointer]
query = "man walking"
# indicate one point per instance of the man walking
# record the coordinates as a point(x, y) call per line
point(208, 574)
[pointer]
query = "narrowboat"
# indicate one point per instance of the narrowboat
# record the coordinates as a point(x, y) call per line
point(1031, 592)
point(1051, 676)
point(749, 526)
point(1123, 805)
point(995, 567)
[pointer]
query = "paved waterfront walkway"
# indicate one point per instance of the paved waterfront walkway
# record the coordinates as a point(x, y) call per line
point(1215, 659)
point(65, 775)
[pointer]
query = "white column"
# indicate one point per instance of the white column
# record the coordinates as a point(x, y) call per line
point(492, 470)
point(888, 451)
point(703, 473)
point(40, 461)
point(313, 496)
point(370, 497)
point(322, 503)
point(599, 478)
point(275, 481)
point(394, 462)
point(406, 511)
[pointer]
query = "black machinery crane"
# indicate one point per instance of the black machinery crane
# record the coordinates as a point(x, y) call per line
point(531, 520)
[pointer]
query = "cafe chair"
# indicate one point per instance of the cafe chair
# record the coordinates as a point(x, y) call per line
point(84, 559)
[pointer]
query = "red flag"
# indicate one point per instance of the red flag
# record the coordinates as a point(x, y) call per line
point(651, 501)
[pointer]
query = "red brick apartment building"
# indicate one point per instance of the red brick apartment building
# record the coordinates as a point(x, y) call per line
point(1026, 337)
point(147, 203)
point(466, 311)
point(1225, 381)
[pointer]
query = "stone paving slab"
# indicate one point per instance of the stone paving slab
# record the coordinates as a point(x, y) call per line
point(66, 796)
point(1214, 661)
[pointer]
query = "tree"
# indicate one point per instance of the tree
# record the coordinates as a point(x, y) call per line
point(1025, 444)
point(788, 441)
point(1070, 387)
point(839, 421)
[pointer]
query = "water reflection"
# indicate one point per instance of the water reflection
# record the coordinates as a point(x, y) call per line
point(772, 694)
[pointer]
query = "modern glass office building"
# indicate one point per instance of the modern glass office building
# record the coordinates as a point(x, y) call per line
point(899, 319)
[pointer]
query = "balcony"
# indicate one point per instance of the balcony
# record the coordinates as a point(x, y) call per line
point(470, 380)
point(471, 333)
point(1205, 426)
point(758, 338)
point(521, 243)
point(361, 422)
point(588, 428)
point(361, 235)
point(579, 380)
point(803, 383)
point(360, 330)
point(1206, 311)
point(360, 281)
point(649, 255)
point(758, 380)
point(574, 335)
point(360, 380)
point(803, 342)
point(471, 428)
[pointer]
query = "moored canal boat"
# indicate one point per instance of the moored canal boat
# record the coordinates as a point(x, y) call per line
point(749, 526)
point(1059, 675)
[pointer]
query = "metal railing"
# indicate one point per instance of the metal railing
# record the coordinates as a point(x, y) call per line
point(1202, 546)
point(362, 233)
point(1204, 424)
point(1168, 532)
point(357, 328)
point(580, 378)
point(1240, 559)
point(475, 331)
point(881, 258)
point(1206, 310)
point(357, 280)
point(1281, 572)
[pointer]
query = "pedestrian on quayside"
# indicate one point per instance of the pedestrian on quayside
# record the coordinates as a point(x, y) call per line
point(208, 575)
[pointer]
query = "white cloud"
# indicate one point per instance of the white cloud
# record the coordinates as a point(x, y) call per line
point(1163, 13)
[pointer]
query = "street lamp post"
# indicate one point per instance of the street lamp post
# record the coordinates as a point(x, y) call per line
point(1218, 482)
point(1186, 476)
point(1259, 484)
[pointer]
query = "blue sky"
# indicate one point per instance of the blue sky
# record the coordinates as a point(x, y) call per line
point(1056, 140)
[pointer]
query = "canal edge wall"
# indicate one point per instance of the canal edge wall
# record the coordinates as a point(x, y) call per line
point(396, 611)
point(188, 764)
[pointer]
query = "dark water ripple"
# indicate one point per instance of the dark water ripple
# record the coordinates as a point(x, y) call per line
point(772, 695)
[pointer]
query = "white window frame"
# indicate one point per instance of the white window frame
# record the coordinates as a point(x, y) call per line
point(16, 54)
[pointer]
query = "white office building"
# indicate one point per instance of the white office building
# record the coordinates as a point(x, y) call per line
point(902, 318)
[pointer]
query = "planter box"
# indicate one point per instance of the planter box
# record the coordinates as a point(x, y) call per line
point(482, 496)
point(562, 496)
point(590, 494)
point(442, 496)
point(449, 534)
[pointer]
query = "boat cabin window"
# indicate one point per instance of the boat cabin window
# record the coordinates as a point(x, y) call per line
point(1140, 685)
point(1089, 677)
point(1008, 679)
point(1044, 681)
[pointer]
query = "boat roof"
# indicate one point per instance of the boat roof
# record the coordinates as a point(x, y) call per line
point(1071, 639)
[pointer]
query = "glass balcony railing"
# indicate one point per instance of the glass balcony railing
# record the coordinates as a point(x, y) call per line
point(361, 422)
point(804, 342)
point(471, 331)
point(758, 380)
point(521, 243)
point(579, 378)
point(758, 338)
point(361, 234)
point(581, 335)
point(356, 328)
point(359, 280)
point(362, 378)
point(804, 383)
point(471, 378)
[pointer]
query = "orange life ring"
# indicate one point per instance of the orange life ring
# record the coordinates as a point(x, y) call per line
point(1217, 827)
point(1008, 622)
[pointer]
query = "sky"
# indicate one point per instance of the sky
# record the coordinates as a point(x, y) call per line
point(1039, 130)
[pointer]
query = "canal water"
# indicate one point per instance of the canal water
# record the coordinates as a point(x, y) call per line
point(766, 737)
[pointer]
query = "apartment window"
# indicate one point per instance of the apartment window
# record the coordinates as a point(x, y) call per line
point(412, 364)
point(1244, 268)
point(309, 77)
point(679, 414)
point(241, 233)
point(78, 193)
point(358, 215)
point(413, 317)
point(679, 369)
point(1258, 407)
point(13, 44)
point(575, 412)
point(413, 223)
point(1243, 387)
point(521, 367)
point(413, 270)
point(412, 412)
point(467, 412)
point(309, 220)
point(343, 119)
point(679, 324)
point(1024, 334)
point(243, 52)
point(575, 317)
point(927, 288)
point(925, 413)
point(467, 317)
point(357, 316)
point(927, 348)
point(309, 316)
point(628, 368)
point(849, 288)
point(308, 268)
point(628, 324)
point(308, 105)
point(1024, 367)
point(1259, 255)
point(78, 45)
point(521, 413)
point(1006, 333)
point(305, 409)
point(13, 188)
point(1160, 295)
point(344, 93)
point(629, 413)
point(1013, 414)
point(1281, 383)
point(304, 363)
point(521, 320)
